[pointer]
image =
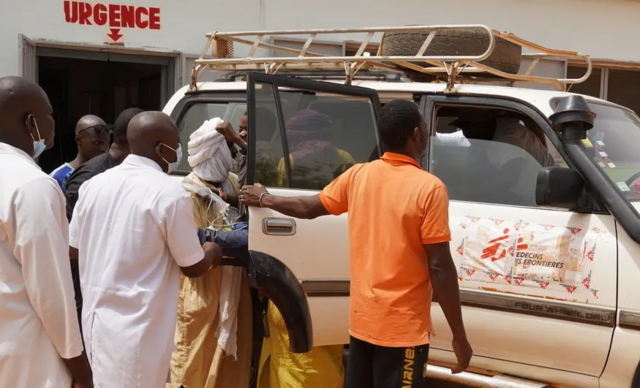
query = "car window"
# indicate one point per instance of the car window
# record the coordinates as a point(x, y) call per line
point(325, 135)
point(196, 114)
point(486, 169)
point(613, 145)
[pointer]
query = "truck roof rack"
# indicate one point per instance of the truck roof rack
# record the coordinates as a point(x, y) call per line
point(363, 75)
point(456, 68)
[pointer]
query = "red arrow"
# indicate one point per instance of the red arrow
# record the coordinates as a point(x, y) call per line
point(115, 34)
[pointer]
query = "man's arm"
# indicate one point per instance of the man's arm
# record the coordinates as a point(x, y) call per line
point(230, 135)
point(42, 249)
point(212, 257)
point(444, 278)
point(181, 234)
point(334, 199)
point(304, 207)
point(77, 178)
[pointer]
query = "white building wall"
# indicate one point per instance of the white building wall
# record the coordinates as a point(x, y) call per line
point(605, 29)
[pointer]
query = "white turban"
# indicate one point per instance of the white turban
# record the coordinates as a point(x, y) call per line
point(209, 155)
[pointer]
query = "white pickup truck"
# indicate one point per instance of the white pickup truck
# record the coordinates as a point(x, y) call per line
point(548, 257)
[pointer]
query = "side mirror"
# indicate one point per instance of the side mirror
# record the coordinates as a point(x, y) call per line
point(562, 188)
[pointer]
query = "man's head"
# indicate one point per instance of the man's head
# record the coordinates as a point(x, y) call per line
point(154, 135)
point(478, 124)
point(26, 120)
point(121, 124)
point(403, 129)
point(92, 136)
point(243, 127)
point(265, 121)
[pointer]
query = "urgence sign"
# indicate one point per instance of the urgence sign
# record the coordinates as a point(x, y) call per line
point(114, 16)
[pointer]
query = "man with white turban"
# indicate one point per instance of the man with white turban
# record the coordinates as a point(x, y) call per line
point(214, 329)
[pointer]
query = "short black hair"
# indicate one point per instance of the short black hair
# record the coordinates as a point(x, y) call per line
point(397, 120)
point(121, 124)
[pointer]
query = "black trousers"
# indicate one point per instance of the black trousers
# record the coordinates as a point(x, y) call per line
point(372, 366)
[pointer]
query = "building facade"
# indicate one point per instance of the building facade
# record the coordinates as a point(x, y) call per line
point(61, 44)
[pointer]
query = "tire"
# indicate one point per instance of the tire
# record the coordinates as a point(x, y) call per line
point(506, 56)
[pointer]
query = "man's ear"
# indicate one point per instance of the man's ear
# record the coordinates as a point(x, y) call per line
point(417, 134)
point(29, 122)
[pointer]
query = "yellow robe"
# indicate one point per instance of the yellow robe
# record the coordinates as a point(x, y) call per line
point(197, 361)
point(279, 368)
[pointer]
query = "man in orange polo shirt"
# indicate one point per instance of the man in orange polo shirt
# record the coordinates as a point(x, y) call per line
point(399, 253)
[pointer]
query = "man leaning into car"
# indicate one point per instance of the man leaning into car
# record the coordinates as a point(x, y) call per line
point(399, 253)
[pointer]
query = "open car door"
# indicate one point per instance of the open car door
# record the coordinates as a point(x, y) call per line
point(324, 128)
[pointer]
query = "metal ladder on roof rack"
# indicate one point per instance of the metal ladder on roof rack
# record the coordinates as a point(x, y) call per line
point(456, 68)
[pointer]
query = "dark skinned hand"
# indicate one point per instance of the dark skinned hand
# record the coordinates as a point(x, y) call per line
point(463, 352)
point(226, 130)
point(250, 195)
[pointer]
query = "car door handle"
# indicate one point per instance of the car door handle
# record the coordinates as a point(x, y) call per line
point(279, 226)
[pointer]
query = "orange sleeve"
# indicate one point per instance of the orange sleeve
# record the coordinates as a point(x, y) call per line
point(335, 196)
point(435, 222)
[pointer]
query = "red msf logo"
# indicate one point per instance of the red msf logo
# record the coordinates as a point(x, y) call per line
point(497, 248)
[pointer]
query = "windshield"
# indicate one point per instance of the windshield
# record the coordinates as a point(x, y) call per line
point(614, 144)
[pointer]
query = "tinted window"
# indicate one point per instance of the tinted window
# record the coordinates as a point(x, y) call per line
point(613, 145)
point(482, 168)
point(197, 113)
point(325, 135)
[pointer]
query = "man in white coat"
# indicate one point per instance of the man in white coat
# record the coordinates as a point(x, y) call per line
point(40, 344)
point(134, 230)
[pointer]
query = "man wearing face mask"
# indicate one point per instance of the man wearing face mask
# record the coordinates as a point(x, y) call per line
point(92, 138)
point(118, 151)
point(36, 292)
point(134, 231)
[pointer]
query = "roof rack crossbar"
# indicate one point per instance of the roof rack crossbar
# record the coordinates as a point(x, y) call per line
point(461, 68)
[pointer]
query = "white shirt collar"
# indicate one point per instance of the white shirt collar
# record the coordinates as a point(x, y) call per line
point(141, 161)
point(11, 150)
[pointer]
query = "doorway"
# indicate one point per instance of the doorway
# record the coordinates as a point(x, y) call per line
point(98, 83)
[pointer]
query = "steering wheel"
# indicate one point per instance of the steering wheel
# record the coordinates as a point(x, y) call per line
point(632, 179)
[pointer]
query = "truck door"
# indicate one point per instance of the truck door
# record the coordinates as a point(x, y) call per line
point(538, 285)
point(302, 135)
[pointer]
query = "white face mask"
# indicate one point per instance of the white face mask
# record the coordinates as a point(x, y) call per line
point(38, 145)
point(171, 167)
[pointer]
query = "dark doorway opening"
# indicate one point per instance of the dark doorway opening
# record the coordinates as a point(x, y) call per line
point(77, 87)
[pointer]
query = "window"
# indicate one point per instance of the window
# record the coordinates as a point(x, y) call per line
point(200, 111)
point(325, 135)
point(613, 145)
point(480, 155)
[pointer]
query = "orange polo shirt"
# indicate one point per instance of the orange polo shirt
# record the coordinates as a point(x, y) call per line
point(395, 207)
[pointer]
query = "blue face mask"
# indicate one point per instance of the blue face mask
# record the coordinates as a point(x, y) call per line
point(38, 145)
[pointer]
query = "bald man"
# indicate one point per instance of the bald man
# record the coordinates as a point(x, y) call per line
point(134, 229)
point(40, 344)
point(92, 138)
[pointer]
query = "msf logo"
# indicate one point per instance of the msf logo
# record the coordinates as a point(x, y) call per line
point(497, 248)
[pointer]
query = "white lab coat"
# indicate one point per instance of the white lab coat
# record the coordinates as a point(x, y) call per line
point(133, 227)
point(38, 321)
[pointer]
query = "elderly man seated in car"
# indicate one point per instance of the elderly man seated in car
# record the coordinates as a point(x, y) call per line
point(485, 124)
